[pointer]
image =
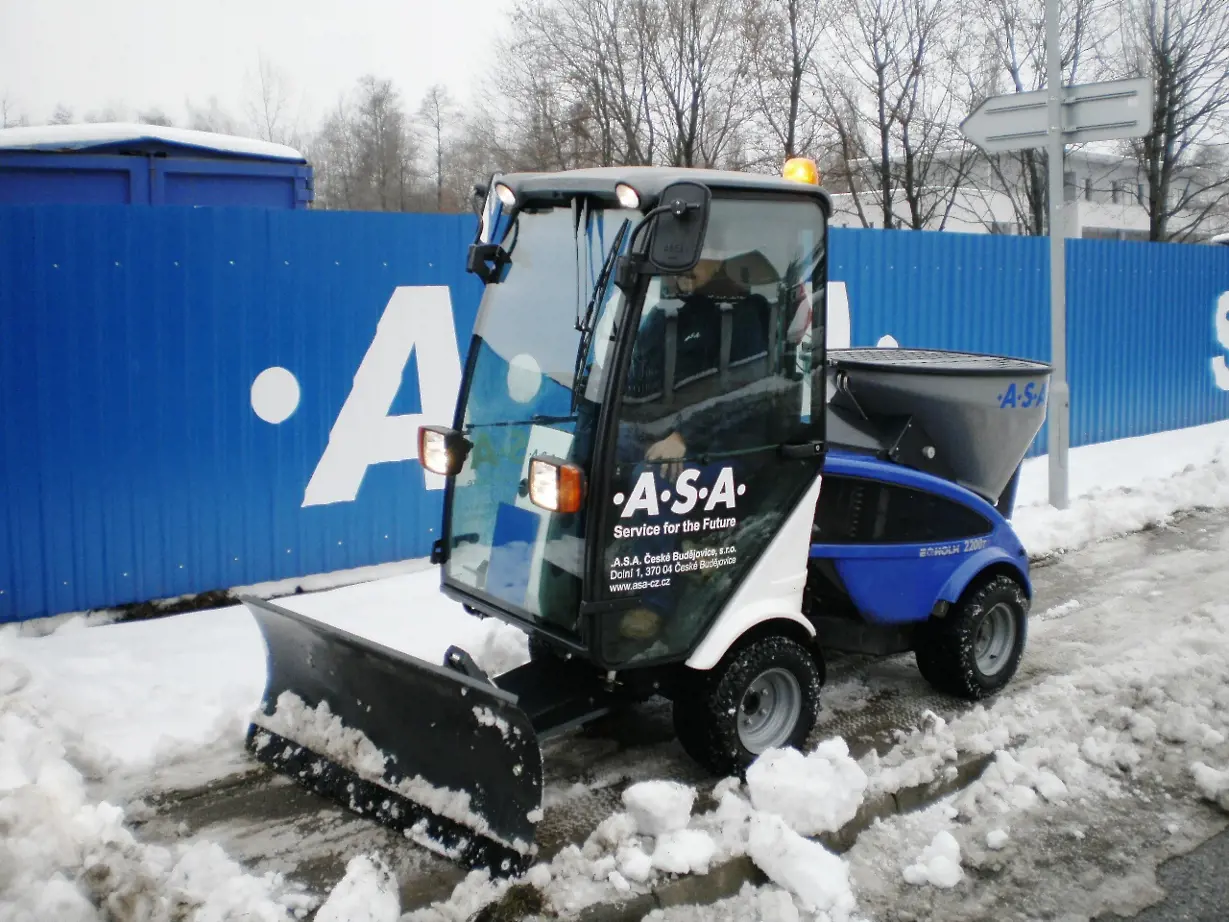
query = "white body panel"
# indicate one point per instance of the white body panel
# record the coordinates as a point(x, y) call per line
point(773, 588)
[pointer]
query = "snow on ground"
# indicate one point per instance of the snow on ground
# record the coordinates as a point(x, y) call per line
point(66, 856)
point(1123, 486)
point(1109, 754)
point(98, 712)
point(368, 893)
point(173, 696)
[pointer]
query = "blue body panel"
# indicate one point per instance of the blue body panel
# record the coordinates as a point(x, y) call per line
point(900, 583)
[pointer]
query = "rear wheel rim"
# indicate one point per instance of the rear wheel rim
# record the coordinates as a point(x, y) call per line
point(994, 640)
point(769, 710)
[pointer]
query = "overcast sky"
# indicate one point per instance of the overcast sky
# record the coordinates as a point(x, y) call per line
point(142, 54)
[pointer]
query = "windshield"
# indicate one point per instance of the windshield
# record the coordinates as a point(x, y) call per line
point(520, 403)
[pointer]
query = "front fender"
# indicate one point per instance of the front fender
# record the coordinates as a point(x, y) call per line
point(977, 563)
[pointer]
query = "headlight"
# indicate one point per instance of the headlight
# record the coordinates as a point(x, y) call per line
point(556, 485)
point(627, 196)
point(506, 195)
point(440, 450)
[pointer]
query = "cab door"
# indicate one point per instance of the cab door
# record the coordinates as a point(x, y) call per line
point(711, 396)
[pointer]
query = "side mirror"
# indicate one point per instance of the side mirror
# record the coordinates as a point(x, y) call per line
point(678, 233)
point(478, 197)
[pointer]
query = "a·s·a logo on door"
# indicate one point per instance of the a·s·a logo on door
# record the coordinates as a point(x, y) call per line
point(687, 494)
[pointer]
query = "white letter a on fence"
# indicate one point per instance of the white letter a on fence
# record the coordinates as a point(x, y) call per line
point(417, 317)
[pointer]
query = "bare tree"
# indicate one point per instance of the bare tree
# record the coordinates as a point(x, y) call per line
point(696, 67)
point(890, 93)
point(1183, 45)
point(270, 105)
point(154, 116)
point(365, 152)
point(584, 62)
point(62, 115)
point(781, 39)
point(211, 117)
point(110, 113)
point(437, 111)
point(7, 115)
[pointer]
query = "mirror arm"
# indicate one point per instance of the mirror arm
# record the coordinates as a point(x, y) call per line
point(630, 266)
point(487, 261)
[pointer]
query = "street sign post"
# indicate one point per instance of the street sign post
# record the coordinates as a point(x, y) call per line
point(1053, 118)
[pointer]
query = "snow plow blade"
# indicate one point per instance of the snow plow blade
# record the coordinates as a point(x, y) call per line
point(437, 754)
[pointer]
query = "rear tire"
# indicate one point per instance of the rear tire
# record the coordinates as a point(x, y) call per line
point(974, 651)
point(762, 695)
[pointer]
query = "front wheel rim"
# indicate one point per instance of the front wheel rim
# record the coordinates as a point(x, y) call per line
point(994, 640)
point(769, 710)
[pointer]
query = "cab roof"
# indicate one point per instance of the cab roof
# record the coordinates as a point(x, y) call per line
point(649, 181)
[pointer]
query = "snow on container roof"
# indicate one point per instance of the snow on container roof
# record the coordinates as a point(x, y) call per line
point(113, 137)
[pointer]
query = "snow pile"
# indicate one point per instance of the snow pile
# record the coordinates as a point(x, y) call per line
point(818, 792)
point(659, 806)
point(939, 863)
point(996, 839)
point(657, 835)
point(63, 857)
point(684, 851)
point(498, 647)
point(817, 877)
point(661, 811)
point(1100, 511)
point(1213, 784)
point(368, 893)
point(1059, 611)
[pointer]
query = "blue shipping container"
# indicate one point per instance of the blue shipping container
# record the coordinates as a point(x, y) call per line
point(118, 164)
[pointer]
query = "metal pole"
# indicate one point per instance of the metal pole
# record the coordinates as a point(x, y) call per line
point(1059, 400)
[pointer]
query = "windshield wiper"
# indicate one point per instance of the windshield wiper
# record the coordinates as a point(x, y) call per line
point(585, 325)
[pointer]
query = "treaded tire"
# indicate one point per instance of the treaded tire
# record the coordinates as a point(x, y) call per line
point(946, 654)
point(706, 705)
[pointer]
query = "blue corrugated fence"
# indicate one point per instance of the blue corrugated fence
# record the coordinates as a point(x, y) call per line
point(202, 398)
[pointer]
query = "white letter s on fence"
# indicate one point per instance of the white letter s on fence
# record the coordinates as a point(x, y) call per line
point(1220, 372)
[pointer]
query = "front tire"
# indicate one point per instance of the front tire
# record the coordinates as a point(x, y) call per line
point(761, 696)
point(974, 651)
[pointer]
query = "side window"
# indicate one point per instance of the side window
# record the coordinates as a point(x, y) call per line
point(856, 511)
point(718, 363)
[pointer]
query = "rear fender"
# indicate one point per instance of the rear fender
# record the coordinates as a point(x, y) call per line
point(977, 564)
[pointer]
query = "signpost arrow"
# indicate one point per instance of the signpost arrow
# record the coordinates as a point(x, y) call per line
point(1052, 118)
point(1090, 112)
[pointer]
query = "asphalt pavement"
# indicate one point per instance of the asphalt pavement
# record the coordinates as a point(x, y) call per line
point(1196, 887)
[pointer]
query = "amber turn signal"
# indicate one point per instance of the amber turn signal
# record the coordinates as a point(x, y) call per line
point(556, 485)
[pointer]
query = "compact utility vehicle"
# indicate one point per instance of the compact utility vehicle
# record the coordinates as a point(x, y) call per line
point(658, 470)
